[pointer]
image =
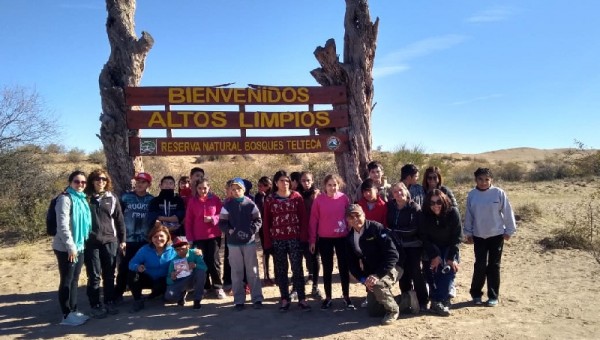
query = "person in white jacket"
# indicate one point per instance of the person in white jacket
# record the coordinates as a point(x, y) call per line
point(489, 221)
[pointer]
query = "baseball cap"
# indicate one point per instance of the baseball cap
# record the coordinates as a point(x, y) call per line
point(143, 176)
point(179, 241)
point(238, 181)
point(354, 209)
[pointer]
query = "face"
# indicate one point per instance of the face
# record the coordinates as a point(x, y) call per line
point(399, 195)
point(196, 176)
point(331, 187)
point(483, 182)
point(236, 191)
point(100, 182)
point(432, 180)
point(167, 184)
point(370, 195)
point(283, 184)
point(184, 184)
point(202, 189)
point(182, 250)
point(294, 185)
point(356, 221)
point(78, 183)
point(141, 186)
point(436, 204)
point(414, 178)
point(376, 174)
point(159, 239)
point(306, 181)
point(262, 187)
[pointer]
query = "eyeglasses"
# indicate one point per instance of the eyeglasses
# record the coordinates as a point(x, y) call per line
point(438, 202)
point(103, 179)
point(76, 181)
point(432, 177)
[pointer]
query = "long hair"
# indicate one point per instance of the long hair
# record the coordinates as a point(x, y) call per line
point(90, 190)
point(158, 227)
point(446, 204)
point(432, 170)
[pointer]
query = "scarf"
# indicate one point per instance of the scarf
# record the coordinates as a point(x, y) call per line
point(81, 218)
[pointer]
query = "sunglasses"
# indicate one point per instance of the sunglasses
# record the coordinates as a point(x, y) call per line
point(76, 181)
point(438, 202)
point(103, 179)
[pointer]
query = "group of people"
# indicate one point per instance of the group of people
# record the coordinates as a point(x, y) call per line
point(405, 232)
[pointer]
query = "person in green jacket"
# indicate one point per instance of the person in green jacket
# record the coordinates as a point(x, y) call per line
point(186, 271)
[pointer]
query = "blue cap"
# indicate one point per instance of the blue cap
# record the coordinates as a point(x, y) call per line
point(238, 181)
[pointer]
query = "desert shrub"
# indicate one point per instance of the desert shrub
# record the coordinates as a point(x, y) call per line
point(55, 148)
point(75, 155)
point(511, 171)
point(588, 165)
point(528, 212)
point(98, 157)
point(550, 169)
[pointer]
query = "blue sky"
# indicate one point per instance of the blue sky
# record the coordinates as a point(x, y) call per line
point(450, 76)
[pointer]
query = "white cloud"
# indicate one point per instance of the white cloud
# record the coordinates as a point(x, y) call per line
point(477, 99)
point(491, 15)
point(397, 61)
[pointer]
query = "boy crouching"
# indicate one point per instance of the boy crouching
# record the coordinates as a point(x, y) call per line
point(187, 271)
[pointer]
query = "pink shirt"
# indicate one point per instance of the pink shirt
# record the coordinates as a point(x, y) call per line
point(328, 217)
point(195, 227)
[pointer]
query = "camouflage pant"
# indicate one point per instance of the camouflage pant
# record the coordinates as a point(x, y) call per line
point(381, 299)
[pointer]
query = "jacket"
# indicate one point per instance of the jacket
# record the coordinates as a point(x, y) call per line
point(135, 209)
point(328, 217)
point(285, 219)
point(442, 231)
point(195, 227)
point(378, 211)
point(107, 220)
point(404, 223)
point(156, 266)
point(241, 217)
point(377, 252)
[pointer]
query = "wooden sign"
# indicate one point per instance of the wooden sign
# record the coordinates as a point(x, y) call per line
point(137, 119)
point(236, 145)
point(256, 95)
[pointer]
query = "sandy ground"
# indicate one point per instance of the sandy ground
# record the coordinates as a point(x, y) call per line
point(544, 295)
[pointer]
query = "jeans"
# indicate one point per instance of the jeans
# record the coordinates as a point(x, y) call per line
point(440, 291)
point(488, 255)
point(69, 281)
point(100, 263)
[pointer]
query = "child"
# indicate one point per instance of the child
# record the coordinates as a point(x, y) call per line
point(183, 188)
point(167, 208)
point(372, 204)
point(375, 170)
point(489, 221)
point(264, 190)
point(187, 271)
point(240, 220)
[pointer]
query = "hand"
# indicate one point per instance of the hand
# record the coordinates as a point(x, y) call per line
point(122, 247)
point(208, 219)
point(453, 265)
point(312, 248)
point(173, 275)
point(506, 237)
point(435, 263)
point(192, 265)
point(141, 268)
point(230, 231)
point(198, 251)
point(469, 240)
point(73, 256)
point(371, 281)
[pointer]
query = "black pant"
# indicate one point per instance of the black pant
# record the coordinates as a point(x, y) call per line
point(226, 266)
point(69, 279)
point(210, 250)
point(130, 251)
point(488, 254)
point(100, 262)
point(326, 248)
point(413, 276)
point(138, 281)
point(312, 263)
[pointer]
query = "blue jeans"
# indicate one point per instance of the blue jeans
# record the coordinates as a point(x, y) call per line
point(442, 282)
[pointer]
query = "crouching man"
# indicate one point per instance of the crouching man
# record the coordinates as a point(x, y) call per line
point(372, 258)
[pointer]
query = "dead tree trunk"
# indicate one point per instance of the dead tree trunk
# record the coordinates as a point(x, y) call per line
point(356, 73)
point(124, 68)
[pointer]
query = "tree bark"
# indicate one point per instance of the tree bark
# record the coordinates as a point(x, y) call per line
point(356, 73)
point(124, 68)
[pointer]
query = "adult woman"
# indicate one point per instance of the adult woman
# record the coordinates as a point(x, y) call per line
point(285, 227)
point(433, 179)
point(403, 217)
point(150, 265)
point(328, 223)
point(106, 238)
point(441, 234)
point(202, 230)
point(74, 223)
point(309, 192)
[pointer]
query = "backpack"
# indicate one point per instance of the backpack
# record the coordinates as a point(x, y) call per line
point(51, 225)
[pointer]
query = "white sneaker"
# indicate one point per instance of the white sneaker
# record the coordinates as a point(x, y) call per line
point(81, 315)
point(294, 296)
point(221, 294)
point(452, 292)
point(365, 303)
point(72, 320)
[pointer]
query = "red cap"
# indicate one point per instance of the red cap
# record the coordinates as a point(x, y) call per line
point(144, 176)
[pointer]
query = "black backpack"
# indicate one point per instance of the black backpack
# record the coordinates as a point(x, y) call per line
point(51, 226)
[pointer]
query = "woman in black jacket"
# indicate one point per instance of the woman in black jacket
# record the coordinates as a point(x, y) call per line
point(441, 233)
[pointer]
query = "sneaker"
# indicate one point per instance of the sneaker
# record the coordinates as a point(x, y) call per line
point(197, 304)
point(309, 280)
point(390, 318)
point(414, 302)
point(438, 308)
point(349, 304)
point(181, 302)
point(81, 315)
point(294, 296)
point(477, 301)
point(72, 320)
point(326, 304)
point(452, 292)
point(238, 307)
point(304, 306)
point(111, 309)
point(221, 294)
point(98, 312)
point(316, 293)
point(257, 305)
point(137, 306)
point(285, 305)
point(365, 303)
point(491, 303)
